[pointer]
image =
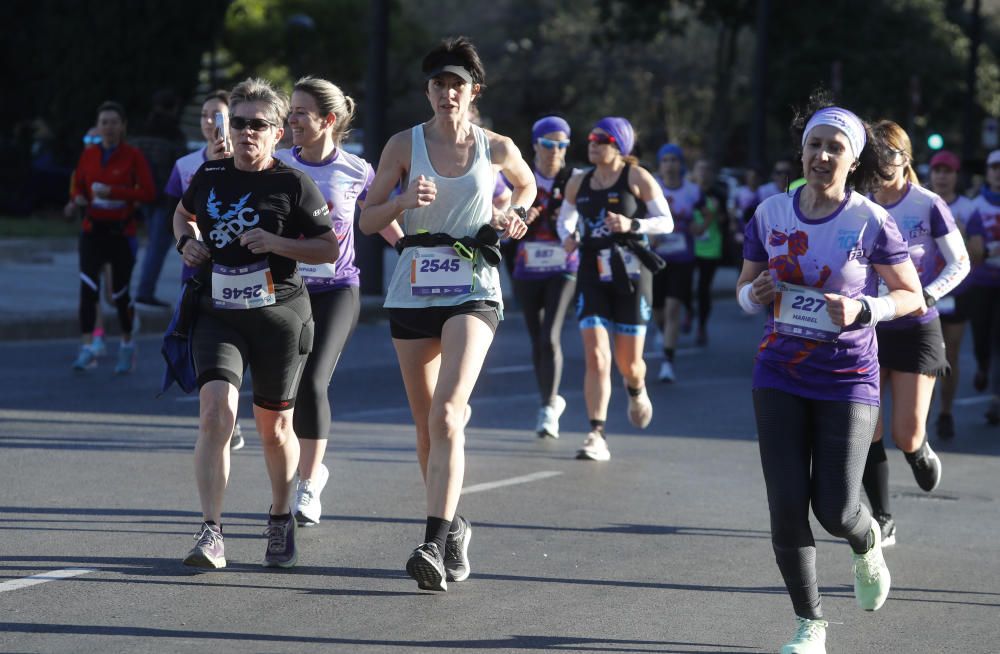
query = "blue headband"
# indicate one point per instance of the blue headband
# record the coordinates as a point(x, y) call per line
point(670, 148)
point(547, 125)
point(621, 129)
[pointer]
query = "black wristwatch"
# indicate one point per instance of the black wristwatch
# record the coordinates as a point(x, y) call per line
point(521, 212)
point(182, 241)
point(865, 316)
point(929, 299)
point(634, 227)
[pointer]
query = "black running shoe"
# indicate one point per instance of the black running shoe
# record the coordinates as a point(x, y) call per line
point(426, 565)
point(980, 380)
point(945, 427)
point(888, 527)
point(926, 467)
point(993, 414)
point(456, 551)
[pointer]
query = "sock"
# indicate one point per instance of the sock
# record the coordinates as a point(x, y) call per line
point(598, 426)
point(876, 479)
point(98, 332)
point(283, 517)
point(921, 451)
point(634, 392)
point(668, 354)
point(437, 531)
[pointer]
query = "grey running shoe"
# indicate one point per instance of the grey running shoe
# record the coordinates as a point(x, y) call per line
point(456, 551)
point(281, 552)
point(926, 467)
point(888, 527)
point(236, 442)
point(209, 552)
point(548, 418)
point(426, 566)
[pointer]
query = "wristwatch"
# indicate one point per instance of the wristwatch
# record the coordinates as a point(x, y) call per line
point(521, 212)
point(634, 227)
point(865, 316)
point(929, 299)
point(182, 241)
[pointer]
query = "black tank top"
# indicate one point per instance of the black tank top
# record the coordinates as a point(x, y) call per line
point(592, 205)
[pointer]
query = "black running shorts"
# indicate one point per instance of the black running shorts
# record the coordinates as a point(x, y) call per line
point(918, 349)
point(428, 322)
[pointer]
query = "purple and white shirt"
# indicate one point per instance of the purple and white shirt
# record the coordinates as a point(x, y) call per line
point(985, 222)
point(343, 179)
point(678, 245)
point(833, 254)
point(184, 169)
point(921, 216)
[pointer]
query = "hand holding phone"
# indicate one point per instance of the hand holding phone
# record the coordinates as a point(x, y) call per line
point(222, 129)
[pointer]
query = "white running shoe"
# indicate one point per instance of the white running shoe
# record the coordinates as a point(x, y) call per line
point(548, 418)
point(86, 359)
point(308, 507)
point(595, 448)
point(871, 575)
point(809, 638)
point(98, 347)
point(640, 409)
point(236, 442)
point(667, 372)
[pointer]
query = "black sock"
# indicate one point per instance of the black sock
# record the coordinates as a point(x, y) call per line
point(921, 451)
point(668, 354)
point(598, 426)
point(876, 479)
point(283, 517)
point(436, 531)
point(634, 392)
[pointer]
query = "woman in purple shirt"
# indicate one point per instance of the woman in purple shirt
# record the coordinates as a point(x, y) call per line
point(811, 260)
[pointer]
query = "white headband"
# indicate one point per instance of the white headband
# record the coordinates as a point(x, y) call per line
point(845, 121)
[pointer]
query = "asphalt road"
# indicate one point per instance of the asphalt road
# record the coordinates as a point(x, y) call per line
point(663, 549)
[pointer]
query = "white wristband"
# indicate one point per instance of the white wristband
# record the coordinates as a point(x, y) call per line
point(747, 303)
point(883, 308)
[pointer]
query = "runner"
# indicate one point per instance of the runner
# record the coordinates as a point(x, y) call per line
point(110, 179)
point(984, 248)
point(544, 275)
point(672, 286)
point(911, 350)
point(616, 271)
point(953, 307)
point(258, 217)
point(810, 260)
point(320, 119)
point(709, 224)
point(444, 298)
point(781, 175)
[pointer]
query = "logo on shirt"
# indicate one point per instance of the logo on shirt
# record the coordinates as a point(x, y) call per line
point(850, 241)
point(913, 227)
point(229, 226)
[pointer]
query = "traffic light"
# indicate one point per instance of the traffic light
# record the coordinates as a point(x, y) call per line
point(935, 141)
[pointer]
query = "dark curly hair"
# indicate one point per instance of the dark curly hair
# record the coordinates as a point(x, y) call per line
point(874, 162)
point(457, 50)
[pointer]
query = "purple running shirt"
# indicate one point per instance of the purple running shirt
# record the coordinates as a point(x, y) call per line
point(985, 222)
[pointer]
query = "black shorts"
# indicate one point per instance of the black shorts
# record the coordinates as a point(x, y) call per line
point(598, 304)
point(428, 322)
point(961, 314)
point(918, 349)
point(273, 341)
point(676, 281)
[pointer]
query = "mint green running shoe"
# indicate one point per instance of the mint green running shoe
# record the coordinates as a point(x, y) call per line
point(86, 359)
point(871, 575)
point(809, 638)
point(126, 359)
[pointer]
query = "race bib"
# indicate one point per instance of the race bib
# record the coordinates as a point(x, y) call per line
point(604, 264)
point(542, 257)
point(322, 274)
point(243, 287)
point(440, 271)
point(670, 244)
point(801, 311)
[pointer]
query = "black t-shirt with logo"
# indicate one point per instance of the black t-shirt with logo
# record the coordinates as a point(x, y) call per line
point(281, 200)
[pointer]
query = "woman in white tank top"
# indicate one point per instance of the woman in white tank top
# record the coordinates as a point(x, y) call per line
point(444, 299)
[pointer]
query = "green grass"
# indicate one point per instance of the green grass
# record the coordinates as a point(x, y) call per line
point(42, 225)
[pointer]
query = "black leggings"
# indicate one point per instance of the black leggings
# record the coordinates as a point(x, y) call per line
point(985, 314)
point(336, 315)
point(544, 303)
point(706, 274)
point(97, 249)
point(812, 451)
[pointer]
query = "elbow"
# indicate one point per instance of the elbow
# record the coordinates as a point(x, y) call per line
point(366, 224)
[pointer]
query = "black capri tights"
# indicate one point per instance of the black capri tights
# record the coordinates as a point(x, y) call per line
point(336, 316)
point(812, 451)
point(95, 251)
point(544, 303)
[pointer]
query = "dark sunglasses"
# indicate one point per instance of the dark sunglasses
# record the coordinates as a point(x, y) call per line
point(601, 139)
point(548, 144)
point(782, 171)
point(256, 124)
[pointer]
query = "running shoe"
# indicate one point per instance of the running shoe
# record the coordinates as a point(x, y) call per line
point(281, 552)
point(456, 551)
point(809, 638)
point(888, 528)
point(871, 576)
point(98, 346)
point(126, 359)
point(209, 551)
point(980, 380)
point(426, 566)
point(86, 359)
point(595, 448)
point(993, 413)
point(640, 409)
point(548, 418)
point(308, 508)
point(945, 427)
point(667, 372)
point(926, 467)
point(236, 442)
point(151, 304)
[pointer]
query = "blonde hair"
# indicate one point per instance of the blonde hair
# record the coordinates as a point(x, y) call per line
point(897, 140)
point(254, 89)
point(330, 100)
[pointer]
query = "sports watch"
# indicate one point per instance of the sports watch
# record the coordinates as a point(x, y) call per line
point(929, 299)
point(634, 227)
point(865, 316)
point(521, 212)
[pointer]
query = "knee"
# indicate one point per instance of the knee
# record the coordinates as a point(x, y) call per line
point(790, 531)
point(598, 361)
point(280, 433)
point(633, 369)
point(447, 421)
point(836, 520)
point(217, 418)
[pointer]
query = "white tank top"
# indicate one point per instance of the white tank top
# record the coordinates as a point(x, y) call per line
point(462, 205)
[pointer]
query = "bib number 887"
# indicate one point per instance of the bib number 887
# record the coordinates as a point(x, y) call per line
point(439, 265)
point(245, 292)
point(808, 303)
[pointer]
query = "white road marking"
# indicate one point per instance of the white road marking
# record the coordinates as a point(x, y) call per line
point(503, 370)
point(977, 399)
point(34, 580)
point(490, 485)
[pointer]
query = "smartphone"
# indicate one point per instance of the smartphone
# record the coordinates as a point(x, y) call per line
point(222, 128)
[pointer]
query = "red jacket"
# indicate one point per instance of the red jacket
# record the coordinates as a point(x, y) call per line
point(126, 172)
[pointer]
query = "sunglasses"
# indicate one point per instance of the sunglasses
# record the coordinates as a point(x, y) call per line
point(548, 144)
point(601, 139)
point(782, 171)
point(256, 124)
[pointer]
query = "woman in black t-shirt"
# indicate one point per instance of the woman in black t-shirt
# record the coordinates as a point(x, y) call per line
point(244, 222)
